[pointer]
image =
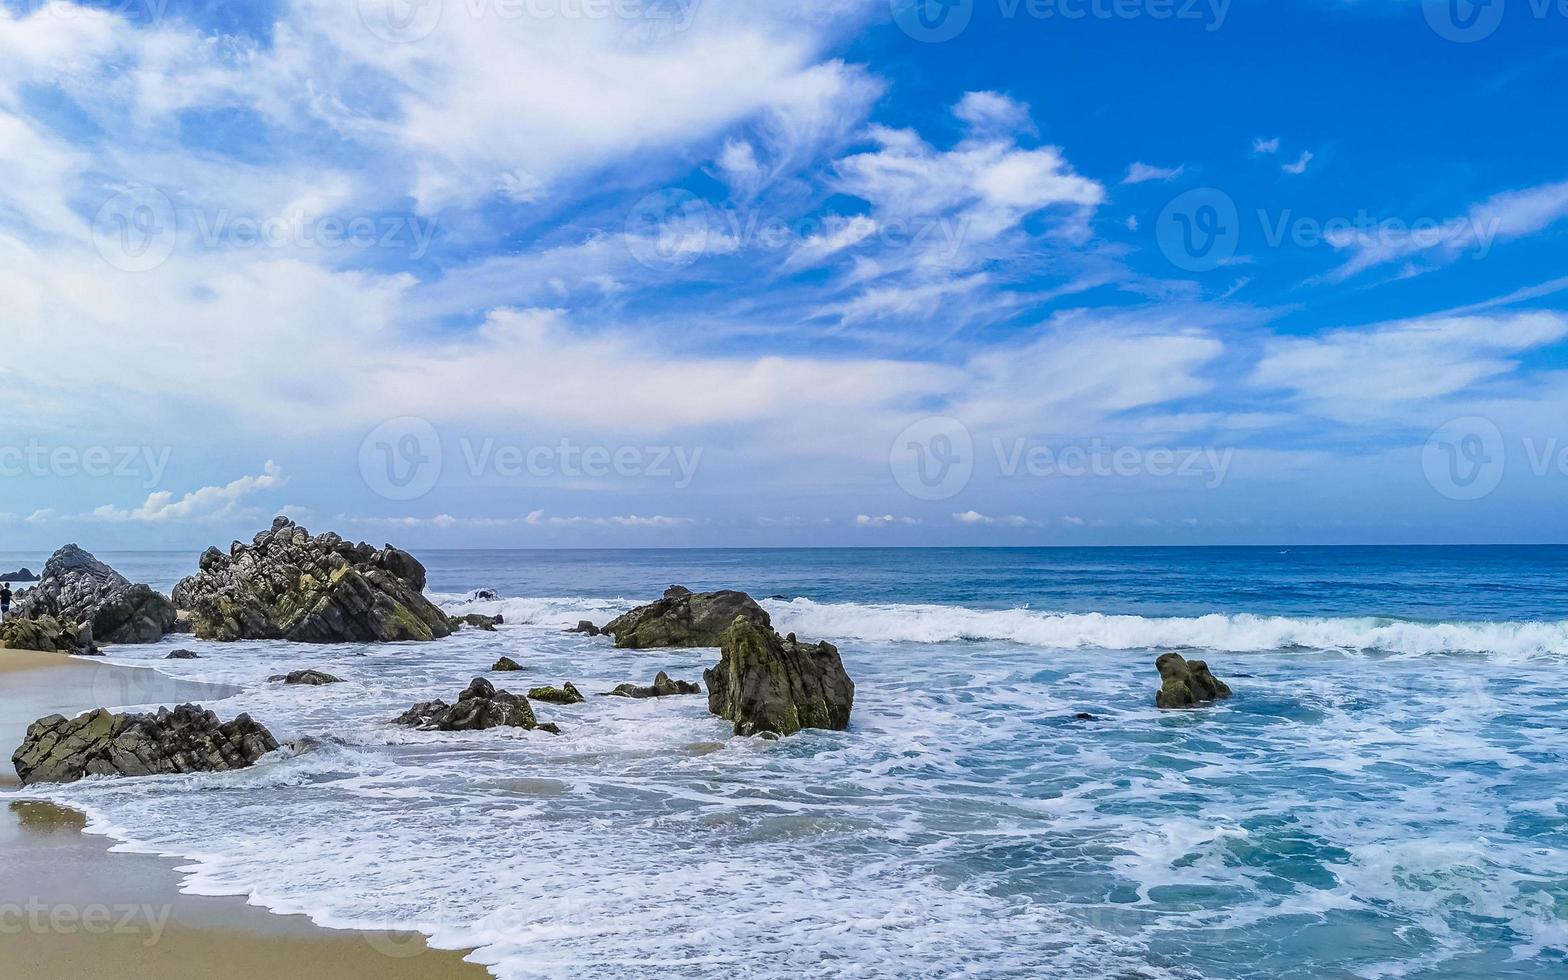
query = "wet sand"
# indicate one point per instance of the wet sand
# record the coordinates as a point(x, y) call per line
point(71, 910)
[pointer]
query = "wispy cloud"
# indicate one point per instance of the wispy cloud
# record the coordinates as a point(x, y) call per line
point(1142, 173)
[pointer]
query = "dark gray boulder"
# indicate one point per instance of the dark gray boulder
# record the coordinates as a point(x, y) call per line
point(767, 683)
point(663, 686)
point(506, 665)
point(290, 585)
point(565, 694)
point(683, 618)
point(183, 655)
point(78, 588)
point(1186, 683)
point(478, 708)
point(585, 627)
point(308, 678)
point(99, 743)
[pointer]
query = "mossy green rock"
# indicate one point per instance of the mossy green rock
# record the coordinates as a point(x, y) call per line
point(46, 634)
point(765, 683)
point(99, 743)
point(1186, 683)
point(290, 585)
point(683, 618)
point(565, 694)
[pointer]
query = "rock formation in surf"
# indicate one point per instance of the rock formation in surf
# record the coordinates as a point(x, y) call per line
point(77, 588)
point(767, 683)
point(1186, 683)
point(683, 618)
point(663, 686)
point(100, 743)
point(290, 585)
point(478, 708)
point(306, 678)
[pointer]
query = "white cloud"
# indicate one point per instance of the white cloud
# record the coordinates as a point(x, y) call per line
point(885, 520)
point(1265, 146)
point(1380, 372)
point(1300, 166)
point(206, 504)
point(974, 517)
point(1140, 173)
point(994, 112)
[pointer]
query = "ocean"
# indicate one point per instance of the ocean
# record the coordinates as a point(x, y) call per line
point(1383, 797)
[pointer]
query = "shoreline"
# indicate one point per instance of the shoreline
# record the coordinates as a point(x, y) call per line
point(76, 909)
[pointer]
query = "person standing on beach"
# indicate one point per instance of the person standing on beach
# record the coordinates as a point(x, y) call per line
point(5, 600)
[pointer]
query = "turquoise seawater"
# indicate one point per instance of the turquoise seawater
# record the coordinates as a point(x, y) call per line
point(1383, 797)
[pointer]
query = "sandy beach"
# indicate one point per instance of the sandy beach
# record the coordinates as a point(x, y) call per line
point(71, 910)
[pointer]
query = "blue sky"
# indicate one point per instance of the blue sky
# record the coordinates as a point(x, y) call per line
point(641, 273)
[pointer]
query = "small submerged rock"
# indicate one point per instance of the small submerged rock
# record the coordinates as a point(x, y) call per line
point(767, 683)
point(663, 686)
point(585, 627)
point(478, 708)
point(310, 678)
point(565, 694)
point(506, 665)
point(483, 595)
point(685, 619)
point(1187, 683)
point(100, 743)
point(1084, 716)
point(183, 655)
point(478, 621)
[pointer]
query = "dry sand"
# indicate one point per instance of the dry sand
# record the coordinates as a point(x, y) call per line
point(71, 910)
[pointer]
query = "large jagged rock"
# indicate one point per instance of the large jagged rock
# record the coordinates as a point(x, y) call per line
point(99, 743)
point(47, 635)
point(663, 686)
point(478, 708)
point(78, 588)
point(767, 683)
point(685, 619)
point(23, 574)
point(289, 585)
point(1186, 683)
